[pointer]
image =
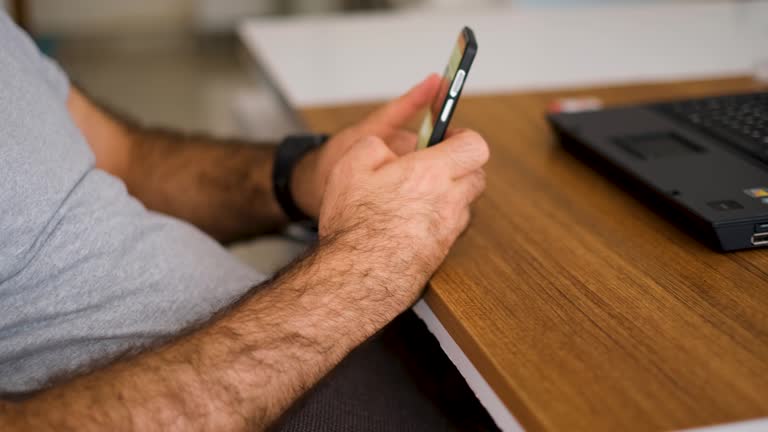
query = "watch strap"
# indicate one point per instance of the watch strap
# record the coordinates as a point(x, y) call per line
point(289, 153)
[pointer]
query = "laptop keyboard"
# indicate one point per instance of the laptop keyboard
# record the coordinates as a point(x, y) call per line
point(738, 120)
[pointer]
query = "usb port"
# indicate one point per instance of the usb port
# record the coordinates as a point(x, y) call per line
point(760, 239)
point(761, 227)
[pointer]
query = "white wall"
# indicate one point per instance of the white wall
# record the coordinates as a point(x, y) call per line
point(97, 17)
point(88, 17)
point(106, 16)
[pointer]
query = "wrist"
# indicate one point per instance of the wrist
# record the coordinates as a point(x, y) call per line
point(305, 184)
point(391, 276)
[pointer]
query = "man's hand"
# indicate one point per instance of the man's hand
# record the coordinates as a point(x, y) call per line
point(387, 123)
point(406, 211)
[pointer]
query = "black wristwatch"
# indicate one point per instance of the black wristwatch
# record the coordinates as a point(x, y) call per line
point(288, 154)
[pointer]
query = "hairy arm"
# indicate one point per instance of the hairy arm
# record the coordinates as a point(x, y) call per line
point(385, 225)
point(225, 186)
point(222, 186)
point(387, 220)
point(241, 371)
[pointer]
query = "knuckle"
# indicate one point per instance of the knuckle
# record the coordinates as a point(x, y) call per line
point(365, 151)
point(473, 147)
point(373, 139)
point(475, 137)
point(471, 135)
point(376, 147)
point(470, 138)
point(485, 152)
point(479, 145)
point(460, 158)
point(369, 141)
point(466, 219)
point(481, 179)
point(475, 186)
point(466, 215)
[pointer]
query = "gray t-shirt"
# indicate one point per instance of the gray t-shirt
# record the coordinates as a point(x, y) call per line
point(86, 272)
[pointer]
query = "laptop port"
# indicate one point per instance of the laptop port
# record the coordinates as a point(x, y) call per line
point(761, 227)
point(760, 239)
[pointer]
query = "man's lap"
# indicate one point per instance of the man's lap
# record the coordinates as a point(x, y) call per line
point(398, 381)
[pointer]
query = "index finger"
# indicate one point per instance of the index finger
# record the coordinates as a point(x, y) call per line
point(464, 152)
point(397, 112)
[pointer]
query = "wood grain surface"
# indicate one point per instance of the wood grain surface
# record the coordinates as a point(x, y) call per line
point(582, 307)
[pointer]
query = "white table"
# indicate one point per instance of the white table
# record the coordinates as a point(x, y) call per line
point(338, 59)
point(324, 60)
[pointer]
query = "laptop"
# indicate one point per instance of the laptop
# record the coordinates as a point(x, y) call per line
point(702, 162)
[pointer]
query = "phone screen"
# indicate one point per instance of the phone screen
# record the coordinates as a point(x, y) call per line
point(438, 114)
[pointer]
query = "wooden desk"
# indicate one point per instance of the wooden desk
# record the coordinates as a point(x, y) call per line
point(580, 306)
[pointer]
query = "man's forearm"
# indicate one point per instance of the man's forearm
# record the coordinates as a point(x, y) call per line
point(245, 368)
point(222, 186)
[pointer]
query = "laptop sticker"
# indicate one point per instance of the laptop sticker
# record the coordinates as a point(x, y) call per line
point(758, 192)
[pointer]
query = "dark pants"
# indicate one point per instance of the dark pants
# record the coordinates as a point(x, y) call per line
point(400, 380)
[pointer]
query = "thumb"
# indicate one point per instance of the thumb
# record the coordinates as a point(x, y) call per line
point(399, 111)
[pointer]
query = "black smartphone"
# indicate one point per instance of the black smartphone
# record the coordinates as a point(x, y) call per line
point(439, 115)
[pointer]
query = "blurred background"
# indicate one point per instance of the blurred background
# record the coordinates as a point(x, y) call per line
point(179, 63)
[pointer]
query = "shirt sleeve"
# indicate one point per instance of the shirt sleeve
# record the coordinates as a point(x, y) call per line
point(55, 76)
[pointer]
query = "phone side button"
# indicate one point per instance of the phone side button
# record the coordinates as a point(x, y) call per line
point(447, 110)
point(457, 83)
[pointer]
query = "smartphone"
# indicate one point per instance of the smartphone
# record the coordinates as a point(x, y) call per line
point(439, 114)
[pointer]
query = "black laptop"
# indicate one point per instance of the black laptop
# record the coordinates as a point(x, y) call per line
point(703, 162)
